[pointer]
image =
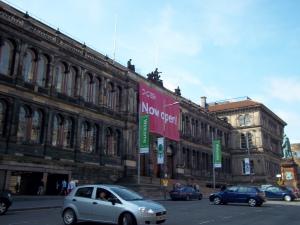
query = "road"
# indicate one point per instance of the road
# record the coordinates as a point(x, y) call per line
point(184, 213)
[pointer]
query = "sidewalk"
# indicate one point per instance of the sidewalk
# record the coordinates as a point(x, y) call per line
point(28, 202)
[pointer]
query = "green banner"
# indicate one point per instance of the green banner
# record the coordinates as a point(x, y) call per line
point(217, 153)
point(144, 134)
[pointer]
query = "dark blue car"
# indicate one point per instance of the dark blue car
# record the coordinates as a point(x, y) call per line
point(239, 194)
point(185, 193)
point(279, 193)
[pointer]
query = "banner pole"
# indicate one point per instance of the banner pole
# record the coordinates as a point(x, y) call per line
point(213, 163)
point(139, 154)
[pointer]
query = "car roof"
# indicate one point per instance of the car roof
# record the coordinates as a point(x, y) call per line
point(109, 186)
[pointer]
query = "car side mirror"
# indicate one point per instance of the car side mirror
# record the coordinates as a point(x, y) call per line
point(113, 200)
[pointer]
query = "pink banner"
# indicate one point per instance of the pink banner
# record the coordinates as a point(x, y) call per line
point(162, 109)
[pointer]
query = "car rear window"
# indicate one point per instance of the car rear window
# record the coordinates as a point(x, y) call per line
point(85, 192)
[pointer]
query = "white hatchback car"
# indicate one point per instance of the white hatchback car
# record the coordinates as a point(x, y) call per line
point(110, 204)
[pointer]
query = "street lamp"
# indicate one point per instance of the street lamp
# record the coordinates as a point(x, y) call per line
point(163, 166)
point(248, 152)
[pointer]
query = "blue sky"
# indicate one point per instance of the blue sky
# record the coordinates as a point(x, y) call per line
point(221, 49)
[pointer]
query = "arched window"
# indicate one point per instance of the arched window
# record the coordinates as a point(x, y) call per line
point(96, 91)
point(109, 140)
point(118, 98)
point(70, 81)
point(93, 138)
point(110, 97)
point(3, 108)
point(36, 127)
point(59, 73)
point(85, 137)
point(118, 142)
point(67, 136)
point(6, 57)
point(243, 141)
point(87, 89)
point(42, 69)
point(28, 66)
point(23, 124)
point(56, 130)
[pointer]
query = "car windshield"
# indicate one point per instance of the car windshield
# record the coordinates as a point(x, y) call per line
point(126, 194)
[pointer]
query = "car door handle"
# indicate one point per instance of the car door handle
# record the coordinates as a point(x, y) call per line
point(95, 203)
point(74, 200)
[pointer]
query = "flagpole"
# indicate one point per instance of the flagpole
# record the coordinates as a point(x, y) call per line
point(115, 37)
point(213, 163)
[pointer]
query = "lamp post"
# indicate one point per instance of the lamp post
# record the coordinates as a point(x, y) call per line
point(248, 153)
point(162, 166)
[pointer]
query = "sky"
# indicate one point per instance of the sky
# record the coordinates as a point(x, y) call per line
point(220, 49)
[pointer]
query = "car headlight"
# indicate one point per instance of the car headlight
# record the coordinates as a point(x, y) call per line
point(146, 211)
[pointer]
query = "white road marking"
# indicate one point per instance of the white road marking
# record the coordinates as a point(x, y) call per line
point(227, 217)
point(207, 221)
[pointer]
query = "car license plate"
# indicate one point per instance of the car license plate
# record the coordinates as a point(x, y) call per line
point(162, 217)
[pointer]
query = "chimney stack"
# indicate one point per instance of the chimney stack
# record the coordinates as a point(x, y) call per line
point(203, 102)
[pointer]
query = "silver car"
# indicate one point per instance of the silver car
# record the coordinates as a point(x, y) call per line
point(110, 204)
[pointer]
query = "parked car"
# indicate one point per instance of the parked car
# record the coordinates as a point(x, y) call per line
point(296, 191)
point(5, 201)
point(239, 194)
point(185, 193)
point(279, 193)
point(110, 204)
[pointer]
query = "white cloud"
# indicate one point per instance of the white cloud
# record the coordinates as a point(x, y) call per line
point(283, 88)
point(292, 129)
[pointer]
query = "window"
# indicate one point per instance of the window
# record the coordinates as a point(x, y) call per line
point(243, 141)
point(96, 91)
point(3, 108)
point(85, 192)
point(244, 120)
point(87, 89)
point(118, 142)
point(23, 124)
point(42, 69)
point(109, 142)
point(59, 74)
point(251, 167)
point(6, 57)
point(232, 189)
point(36, 127)
point(67, 133)
point(56, 131)
point(104, 195)
point(110, 97)
point(118, 98)
point(93, 138)
point(29, 66)
point(70, 81)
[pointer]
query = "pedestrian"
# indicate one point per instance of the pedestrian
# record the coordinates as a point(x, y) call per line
point(64, 187)
point(71, 186)
point(41, 188)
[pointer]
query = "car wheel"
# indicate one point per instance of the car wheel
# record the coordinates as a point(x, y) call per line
point(127, 219)
point(217, 200)
point(187, 198)
point(252, 202)
point(69, 217)
point(287, 198)
point(200, 198)
point(3, 207)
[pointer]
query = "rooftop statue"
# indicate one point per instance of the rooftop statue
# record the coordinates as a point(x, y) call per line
point(286, 148)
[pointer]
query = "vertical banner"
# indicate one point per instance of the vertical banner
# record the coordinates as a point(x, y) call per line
point(144, 134)
point(160, 150)
point(247, 166)
point(162, 109)
point(217, 153)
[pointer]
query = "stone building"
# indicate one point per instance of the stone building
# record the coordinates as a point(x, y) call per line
point(69, 112)
point(66, 111)
point(257, 128)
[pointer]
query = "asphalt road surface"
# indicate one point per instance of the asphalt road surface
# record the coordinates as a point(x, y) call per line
point(184, 213)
